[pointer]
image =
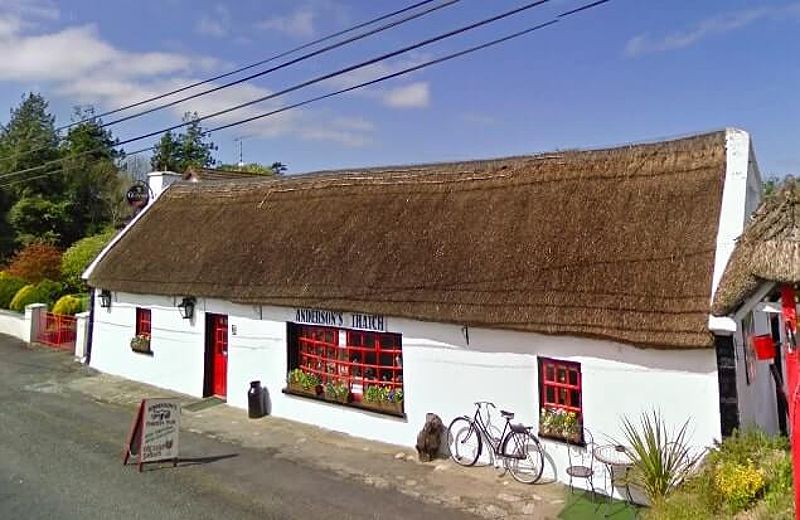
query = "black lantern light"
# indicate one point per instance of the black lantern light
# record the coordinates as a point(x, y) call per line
point(186, 307)
point(105, 299)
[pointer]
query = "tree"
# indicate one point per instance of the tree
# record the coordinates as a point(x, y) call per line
point(254, 168)
point(93, 184)
point(166, 156)
point(195, 149)
point(772, 184)
point(278, 168)
point(27, 141)
point(179, 152)
point(35, 218)
point(30, 140)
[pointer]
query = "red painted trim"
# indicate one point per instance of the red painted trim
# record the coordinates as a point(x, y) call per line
point(789, 320)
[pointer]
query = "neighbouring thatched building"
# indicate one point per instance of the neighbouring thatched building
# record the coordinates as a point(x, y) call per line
point(577, 281)
point(767, 256)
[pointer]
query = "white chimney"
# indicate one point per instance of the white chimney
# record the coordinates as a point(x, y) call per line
point(159, 181)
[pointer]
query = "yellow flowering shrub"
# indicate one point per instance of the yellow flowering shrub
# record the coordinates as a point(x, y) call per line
point(739, 484)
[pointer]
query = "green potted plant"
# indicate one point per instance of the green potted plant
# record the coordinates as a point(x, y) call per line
point(302, 382)
point(141, 344)
point(561, 424)
point(337, 391)
point(384, 398)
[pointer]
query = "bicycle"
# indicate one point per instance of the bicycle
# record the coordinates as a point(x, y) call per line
point(520, 449)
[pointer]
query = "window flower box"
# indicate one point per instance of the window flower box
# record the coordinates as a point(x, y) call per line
point(560, 424)
point(383, 398)
point(303, 382)
point(141, 344)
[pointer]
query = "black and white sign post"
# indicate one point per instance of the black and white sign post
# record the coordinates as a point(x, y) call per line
point(154, 432)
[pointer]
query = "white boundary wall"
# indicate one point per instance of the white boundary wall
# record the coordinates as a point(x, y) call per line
point(442, 374)
point(14, 324)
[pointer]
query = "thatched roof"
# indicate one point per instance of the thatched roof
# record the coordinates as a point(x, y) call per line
point(214, 174)
point(767, 251)
point(615, 243)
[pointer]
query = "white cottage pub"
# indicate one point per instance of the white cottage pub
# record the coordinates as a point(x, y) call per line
point(579, 281)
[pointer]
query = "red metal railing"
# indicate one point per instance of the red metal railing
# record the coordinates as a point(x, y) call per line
point(56, 330)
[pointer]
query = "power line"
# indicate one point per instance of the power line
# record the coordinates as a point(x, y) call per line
point(304, 84)
point(253, 65)
point(283, 65)
point(368, 83)
point(250, 66)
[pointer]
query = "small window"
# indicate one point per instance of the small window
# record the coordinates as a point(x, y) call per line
point(143, 322)
point(560, 400)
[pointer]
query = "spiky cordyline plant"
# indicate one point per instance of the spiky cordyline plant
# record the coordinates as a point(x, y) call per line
point(660, 457)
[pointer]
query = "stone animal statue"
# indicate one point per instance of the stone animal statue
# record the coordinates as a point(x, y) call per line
point(429, 439)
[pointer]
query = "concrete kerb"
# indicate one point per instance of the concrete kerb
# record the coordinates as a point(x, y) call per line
point(482, 491)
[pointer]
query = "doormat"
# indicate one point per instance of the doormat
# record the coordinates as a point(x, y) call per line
point(208, 402)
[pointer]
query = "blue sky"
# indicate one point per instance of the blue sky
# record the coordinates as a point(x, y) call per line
point(630, 70)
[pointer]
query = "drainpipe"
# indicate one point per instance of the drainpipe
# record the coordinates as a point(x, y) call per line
point(90, 328)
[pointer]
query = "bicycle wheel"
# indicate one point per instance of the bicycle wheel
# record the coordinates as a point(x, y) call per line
point(523, 457)
point(465, 441)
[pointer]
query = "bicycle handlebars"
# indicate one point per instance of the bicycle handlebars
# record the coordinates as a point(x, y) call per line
point(489, 403)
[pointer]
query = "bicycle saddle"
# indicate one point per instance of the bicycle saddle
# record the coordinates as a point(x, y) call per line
point(507, 415)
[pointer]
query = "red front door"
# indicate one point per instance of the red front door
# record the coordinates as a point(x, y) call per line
point(219, 348)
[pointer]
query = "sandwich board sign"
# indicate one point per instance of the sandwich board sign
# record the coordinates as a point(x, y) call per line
point(154, 432)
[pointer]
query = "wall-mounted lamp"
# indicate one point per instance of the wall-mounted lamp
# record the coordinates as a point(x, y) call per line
point(105, 299)
point(186, 307)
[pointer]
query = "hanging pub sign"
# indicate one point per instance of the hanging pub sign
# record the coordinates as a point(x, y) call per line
point(349, 320)
point(138, 195)
point(154, 432)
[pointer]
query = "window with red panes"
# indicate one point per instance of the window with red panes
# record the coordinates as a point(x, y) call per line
point(358, 359)
point(560, 400)
point(142, 322)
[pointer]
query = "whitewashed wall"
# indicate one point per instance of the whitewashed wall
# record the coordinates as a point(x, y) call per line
point(442, 374)
point(14, 324)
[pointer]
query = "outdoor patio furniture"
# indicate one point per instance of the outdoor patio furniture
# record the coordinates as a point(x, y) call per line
point(582, 463)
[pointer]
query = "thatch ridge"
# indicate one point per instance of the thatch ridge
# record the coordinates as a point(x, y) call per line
point(615, 243)
point(768, 250)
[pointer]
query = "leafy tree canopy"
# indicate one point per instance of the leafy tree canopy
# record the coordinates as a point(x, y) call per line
point(179, 152)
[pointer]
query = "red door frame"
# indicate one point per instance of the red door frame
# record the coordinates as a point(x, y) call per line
point(216, 378)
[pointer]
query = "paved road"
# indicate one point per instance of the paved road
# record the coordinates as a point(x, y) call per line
point(60, 459)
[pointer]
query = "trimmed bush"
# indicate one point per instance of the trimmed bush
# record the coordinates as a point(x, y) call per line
point(79, 255)
point(46, 291)
point(36, 262)
point(9, 285)
point(69, 304)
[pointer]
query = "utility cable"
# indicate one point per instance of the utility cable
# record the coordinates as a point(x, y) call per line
point(253, 65)
point(304, 84)
point(248, 67)
point(368, 83)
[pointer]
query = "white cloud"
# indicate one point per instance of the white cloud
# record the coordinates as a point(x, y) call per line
point(216, 24)
point(81, 66)
point(727, 22)
point(415, 95)
point(299, 24)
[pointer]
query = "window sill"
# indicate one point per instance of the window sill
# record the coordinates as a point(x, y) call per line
point(563, 440)
point(356, 405)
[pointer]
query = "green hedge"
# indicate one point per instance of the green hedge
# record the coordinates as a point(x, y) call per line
point(78, 257)
point(9, 285)
point(69, 304)
point(46, 291)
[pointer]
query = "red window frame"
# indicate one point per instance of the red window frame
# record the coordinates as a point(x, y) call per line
point(560, 388)
point(366, 358)
point(143, 322)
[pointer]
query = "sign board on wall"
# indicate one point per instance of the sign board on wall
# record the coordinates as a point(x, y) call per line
point(154, 433)
point(349, 320)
